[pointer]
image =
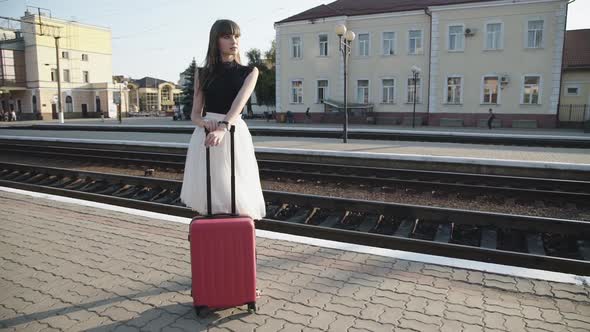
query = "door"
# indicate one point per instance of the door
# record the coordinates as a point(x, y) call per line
point(98, 104)
point(84, 110)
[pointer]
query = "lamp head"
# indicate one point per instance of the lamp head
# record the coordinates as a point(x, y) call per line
point(340, 29)
point(349, 35)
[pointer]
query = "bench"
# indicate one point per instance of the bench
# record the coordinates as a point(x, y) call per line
point(524, 123)
point(447, 122)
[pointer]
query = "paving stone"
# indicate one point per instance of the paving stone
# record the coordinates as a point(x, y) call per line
point(293, 317)
point(80, 268)
point(272, 325)
point(323, 320)
point(418, 325)
point(341, 323)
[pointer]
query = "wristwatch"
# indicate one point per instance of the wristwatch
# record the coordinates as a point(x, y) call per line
point(226, 128)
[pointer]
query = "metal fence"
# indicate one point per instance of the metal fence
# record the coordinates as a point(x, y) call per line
point(574, 112)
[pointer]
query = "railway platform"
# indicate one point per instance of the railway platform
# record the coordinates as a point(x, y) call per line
point(73, 265)
point(549, 162)
point(545, 137)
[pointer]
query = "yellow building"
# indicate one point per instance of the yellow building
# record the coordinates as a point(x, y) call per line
point(28, 76)
point(151, 94)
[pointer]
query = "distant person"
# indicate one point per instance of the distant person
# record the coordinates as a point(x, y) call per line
point(491, 118)
point(308, 115)
point(13, 115)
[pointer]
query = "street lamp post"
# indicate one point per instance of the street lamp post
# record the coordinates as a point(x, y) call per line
point(345, 38)
point(415, 73)
point(119, 109)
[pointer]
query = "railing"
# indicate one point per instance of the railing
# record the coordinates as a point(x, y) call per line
point(9, 83)
point(574, 112)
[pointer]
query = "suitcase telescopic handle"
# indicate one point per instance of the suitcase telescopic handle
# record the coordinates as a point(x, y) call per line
point(233, 173)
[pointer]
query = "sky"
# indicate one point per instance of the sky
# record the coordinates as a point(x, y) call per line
point(159, 38)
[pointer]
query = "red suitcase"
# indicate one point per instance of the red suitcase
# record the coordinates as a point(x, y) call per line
point(222, 250)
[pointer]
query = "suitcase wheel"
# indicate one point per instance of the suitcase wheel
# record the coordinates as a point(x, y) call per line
point(252, 307)
point(198, 310)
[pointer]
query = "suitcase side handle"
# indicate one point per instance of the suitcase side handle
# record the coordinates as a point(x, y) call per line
point(233, 173)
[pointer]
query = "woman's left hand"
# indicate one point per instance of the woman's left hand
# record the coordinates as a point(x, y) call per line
point(214, 137)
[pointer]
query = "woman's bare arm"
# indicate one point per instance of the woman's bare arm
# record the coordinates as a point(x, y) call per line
point(240, 101)
point(197, 111)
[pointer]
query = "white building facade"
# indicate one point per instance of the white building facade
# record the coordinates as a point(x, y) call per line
point(473, 55)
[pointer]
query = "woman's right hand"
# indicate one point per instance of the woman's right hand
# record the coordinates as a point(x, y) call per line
point(210, 125)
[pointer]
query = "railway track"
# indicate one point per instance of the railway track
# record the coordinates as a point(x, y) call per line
point(552, 191)
point(543, 243)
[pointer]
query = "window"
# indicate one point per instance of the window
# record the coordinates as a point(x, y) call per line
point(322, 91)
point(177, 98)
point(535, 34)
point(531, 90)
point(364, 44)
point(323, 45)
point(84, 57)
point(66, 75)
point(165, 94)
point(456, 38)
point(572, 90)
point(69, 105)
point(411, 88)
point(490, 90)
point(454, 90)
point(65, 54)
point(8, 69)
point(415, 42)
point(53, 75)
point(362, 91)
point(297, 92)
point(388, 43)
point(388, 90)
point(85, 76)
point(296, 47)
point(151, 101)
point(493, 36)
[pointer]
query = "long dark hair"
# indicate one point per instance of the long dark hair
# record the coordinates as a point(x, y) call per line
point(219, 29)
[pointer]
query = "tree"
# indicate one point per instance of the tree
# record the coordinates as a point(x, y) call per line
point(188, 89)
point(265, 87)
point(255, 60)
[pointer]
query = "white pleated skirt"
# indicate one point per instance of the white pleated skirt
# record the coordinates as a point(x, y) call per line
point(249, 198)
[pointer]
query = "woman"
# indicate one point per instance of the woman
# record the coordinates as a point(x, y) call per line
point(222, 88)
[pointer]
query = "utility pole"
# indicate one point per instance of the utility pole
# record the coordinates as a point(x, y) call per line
point(59, 108)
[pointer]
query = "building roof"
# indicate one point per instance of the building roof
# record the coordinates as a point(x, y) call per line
point(367, 7)
point(577, 49)
point(150, 82)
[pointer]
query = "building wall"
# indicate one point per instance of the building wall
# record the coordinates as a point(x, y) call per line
point(512, 60)
point(76, 39)
point(579, 79)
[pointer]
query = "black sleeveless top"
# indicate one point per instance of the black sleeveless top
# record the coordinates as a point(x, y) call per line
point(222, 90)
